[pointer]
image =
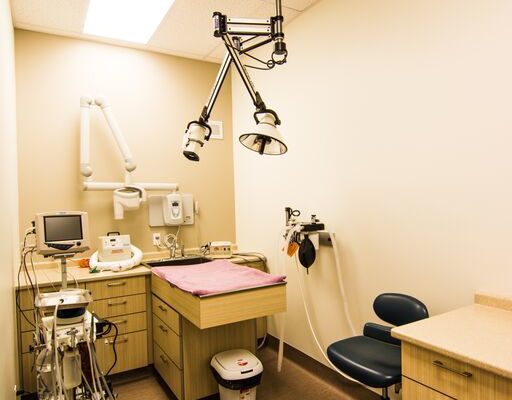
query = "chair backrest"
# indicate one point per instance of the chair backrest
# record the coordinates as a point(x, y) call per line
point(399, 309)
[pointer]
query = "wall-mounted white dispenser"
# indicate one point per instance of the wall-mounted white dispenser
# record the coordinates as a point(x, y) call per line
point(171, 209)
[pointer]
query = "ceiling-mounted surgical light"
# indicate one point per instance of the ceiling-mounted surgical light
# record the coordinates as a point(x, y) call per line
point(240, 36)
point(197, 133)
point(266, 138)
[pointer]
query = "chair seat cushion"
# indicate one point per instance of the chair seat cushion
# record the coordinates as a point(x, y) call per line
point(369, 361)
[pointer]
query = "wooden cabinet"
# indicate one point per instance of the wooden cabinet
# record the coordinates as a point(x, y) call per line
point(131, 349)
point(188, 331)
point(415, 390)
point(168, 340)
point(122, 300)
point(449, 377)
point(171, 374)
point(183, 360)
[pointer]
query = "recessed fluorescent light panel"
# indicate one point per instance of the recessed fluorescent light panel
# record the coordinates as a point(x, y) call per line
point(128, 20)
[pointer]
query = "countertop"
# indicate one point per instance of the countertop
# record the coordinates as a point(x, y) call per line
point(52, 275)
point(48, 273)
point(479, 334)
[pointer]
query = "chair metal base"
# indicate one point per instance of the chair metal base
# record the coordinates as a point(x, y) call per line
point(385, 395)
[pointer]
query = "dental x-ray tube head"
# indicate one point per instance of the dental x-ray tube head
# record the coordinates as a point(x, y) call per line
point(266, 138)
point(196, 134)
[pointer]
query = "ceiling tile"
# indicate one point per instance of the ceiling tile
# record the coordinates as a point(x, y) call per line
point(297, 5)
point(58, 15)
point(264, 10)
point(188, 25)
point(217, 53)
point(186, 30)
point(268, 9)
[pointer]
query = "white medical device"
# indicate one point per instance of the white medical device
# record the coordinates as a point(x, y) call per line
point(222, 249)
point(172, 209)
point(62, 232)
point(126, 199)
point(115, 253)
point(114, 247)
point(127, 195)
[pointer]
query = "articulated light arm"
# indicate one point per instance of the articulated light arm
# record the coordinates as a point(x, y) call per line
point(265, 139)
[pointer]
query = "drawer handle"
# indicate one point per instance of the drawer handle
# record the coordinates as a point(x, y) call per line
point(117, 303)
point(124, 340)
point(163, 328)
point(439, 364)
point(111, 284)
point(119, 322)
point(161, 307)
point(165, 360)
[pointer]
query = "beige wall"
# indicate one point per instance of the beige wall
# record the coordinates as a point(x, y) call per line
point(397, 116)
point(8, 202)
point(153, 97)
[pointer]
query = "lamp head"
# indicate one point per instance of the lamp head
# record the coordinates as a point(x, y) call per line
point(266, 138)
point(196, 134)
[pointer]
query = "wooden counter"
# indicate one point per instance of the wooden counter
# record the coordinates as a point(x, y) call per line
point(221, 309)
point(464, 354)
point(189, 330)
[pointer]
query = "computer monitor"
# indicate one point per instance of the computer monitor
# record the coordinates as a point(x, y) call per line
point(62, 232)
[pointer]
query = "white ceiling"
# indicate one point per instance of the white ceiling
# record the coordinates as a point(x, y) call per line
point(186, 30)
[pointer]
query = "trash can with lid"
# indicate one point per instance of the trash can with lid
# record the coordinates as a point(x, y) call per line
point(238, 373)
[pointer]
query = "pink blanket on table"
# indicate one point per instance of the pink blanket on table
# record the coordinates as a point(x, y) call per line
point(215, 277)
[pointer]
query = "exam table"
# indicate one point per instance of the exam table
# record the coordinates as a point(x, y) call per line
point(189, 329)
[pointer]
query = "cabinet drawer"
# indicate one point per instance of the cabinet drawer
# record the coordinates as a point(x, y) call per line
point(129, 323)
point(116, 287)
point(27, 302)
point(446, 375)
point(119, 306)
point(414, 391)
point(29, 373)
point(167, 339)
point(132, 352)
point(503, 388)
point(166, 314)
point(169, 372)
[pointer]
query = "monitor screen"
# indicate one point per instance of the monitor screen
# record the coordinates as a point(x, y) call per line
point(62, 227)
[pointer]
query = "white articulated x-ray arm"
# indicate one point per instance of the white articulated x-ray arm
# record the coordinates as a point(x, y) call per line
point(127, 195)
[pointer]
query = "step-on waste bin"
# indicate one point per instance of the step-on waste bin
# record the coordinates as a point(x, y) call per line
point(238, 373)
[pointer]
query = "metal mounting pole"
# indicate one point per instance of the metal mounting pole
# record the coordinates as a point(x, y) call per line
point(63, 267)
point(221, 76)
point(242, 71)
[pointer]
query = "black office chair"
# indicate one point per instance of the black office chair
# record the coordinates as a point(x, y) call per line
point(374, 358)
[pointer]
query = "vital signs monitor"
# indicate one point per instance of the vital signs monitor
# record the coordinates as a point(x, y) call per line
point(62, 232)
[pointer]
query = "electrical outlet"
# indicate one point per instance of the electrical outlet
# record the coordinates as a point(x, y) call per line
point(156, 239)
